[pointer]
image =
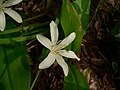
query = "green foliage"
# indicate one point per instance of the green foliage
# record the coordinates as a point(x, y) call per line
point(14, 64)
point(75, 80)
point(17, 39)
point(18, 34)
point(115, 66)
point(116, 30)
point(84, 8)
point(116, 33)
point(74, 18)
point(71, 22)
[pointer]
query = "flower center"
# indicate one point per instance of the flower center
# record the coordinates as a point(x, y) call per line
point(55, 49)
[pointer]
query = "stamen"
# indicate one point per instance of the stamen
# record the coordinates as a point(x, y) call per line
point(58, 42)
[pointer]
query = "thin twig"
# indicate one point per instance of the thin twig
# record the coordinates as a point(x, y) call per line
point(35, 79)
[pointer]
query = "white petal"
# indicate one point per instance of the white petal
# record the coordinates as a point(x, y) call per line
point(44, 41)
point(67, 40)
point(13, 14)
point(62, 63)
point(47, 62)
point(53, 32)
point(68, 54)
point(2, 20)
point(11, 3)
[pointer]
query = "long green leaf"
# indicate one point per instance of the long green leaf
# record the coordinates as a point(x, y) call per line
point(75, 80)
point(17, 39)
point(14, 67)
point(83, 11)
point(71, 22)
point(27, 29)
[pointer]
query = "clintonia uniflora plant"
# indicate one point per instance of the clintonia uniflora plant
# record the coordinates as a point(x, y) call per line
point(4, 4)
point(55, 47)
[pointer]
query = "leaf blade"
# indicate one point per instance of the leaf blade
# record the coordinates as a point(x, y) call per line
point(75, 80)
point(15, 72)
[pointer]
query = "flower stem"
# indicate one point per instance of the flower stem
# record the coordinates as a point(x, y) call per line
point(35, 17)
point(35, 79)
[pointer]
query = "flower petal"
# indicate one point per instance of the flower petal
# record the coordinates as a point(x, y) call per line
point(11, 3)
point(54, 32)
point(2, 21)
point(13, 14)
point(68, 54)
point(47, 62)
point(67, 40)
point(62, 63)
point(44, 41)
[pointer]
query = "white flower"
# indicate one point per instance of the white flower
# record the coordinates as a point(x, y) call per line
point(4, 4)
point(55, 49)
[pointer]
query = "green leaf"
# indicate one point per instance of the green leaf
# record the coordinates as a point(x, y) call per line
point(34, 28)
point(115, 66)
point(17, 39)
point(71, 22)
point(75, 80)
point(84, 8)
point(116, 30)
point(44, 54)
point(14, 67)
point(77, 8)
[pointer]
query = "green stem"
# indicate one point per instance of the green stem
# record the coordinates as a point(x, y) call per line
point(35, 79)
point(33, 17)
